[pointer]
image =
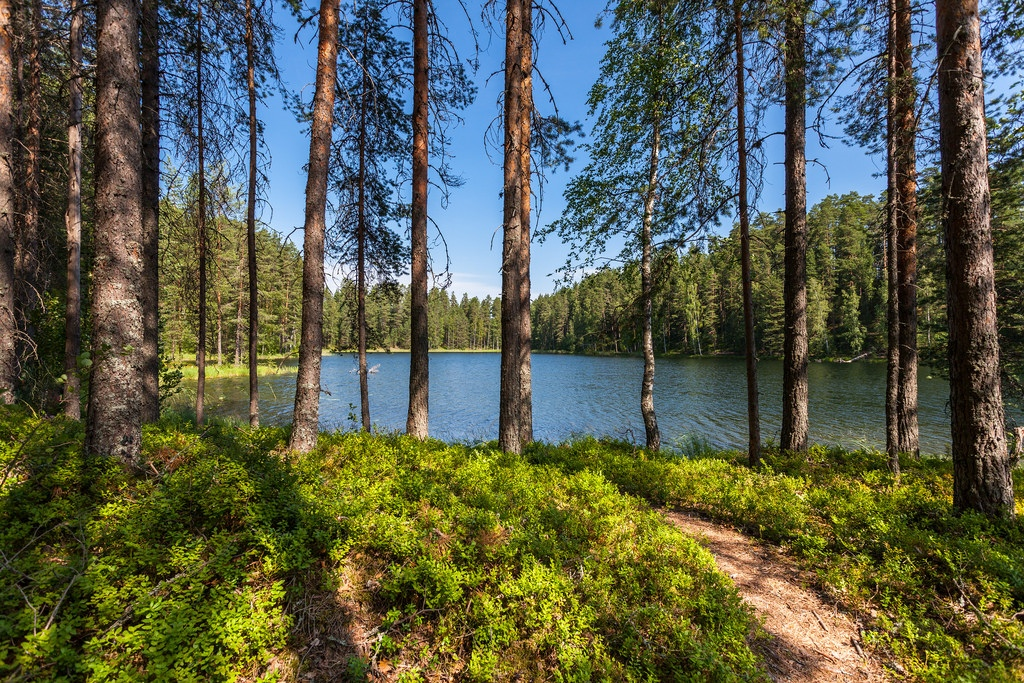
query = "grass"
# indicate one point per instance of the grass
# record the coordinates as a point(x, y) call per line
point(942, 595)
point(267, 366)
point(445, 560)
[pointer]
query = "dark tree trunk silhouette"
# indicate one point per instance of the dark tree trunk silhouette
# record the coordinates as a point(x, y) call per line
point(364, 383)
point(220, 328)
point(28, 260)
point(250, 219)
point(201, 223)
point(892, 376)
point(73, 221)
point(239, 318)
point(982, 478)
point(8, 321)
point(647, 296)
point(753, 402)
point(515, 418)
point(419, 349)
point(151, 208)
point(114, 421)
point(905, 170)
point(306, 417)
point(795, 351)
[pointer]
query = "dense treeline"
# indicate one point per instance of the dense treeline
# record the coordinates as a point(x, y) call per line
point(698, 301)
point(465, 323)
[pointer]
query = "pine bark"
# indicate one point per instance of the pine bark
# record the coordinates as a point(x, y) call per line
point(114, 421)
point(905, 170)
point(364, 381)
point(795, 343)
point(151, 208)
point(753, 401)
point(307, 390)
point(982, 478)
point(201, 225)
point(73, 221)
point(8, 321)
point(647, 295)
point(515, 417)
point(28, 262)
point(239, 319)
point(892, 376)
point(419, 349)
point(220, 329)
point(250, 219)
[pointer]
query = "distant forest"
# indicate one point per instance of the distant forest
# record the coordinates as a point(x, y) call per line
point(697, 304)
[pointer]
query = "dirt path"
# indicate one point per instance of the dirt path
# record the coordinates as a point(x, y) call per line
point(811, 641)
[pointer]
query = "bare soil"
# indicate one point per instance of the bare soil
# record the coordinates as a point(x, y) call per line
point(810, 640)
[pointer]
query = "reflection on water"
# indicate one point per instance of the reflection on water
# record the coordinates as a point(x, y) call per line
point(573, 395)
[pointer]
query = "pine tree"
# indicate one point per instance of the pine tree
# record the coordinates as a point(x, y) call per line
point(73, 220)
point(374, 141)
point(794, 377)
point(982, 478)
point(114, 423)
point(515, 417)
point(305, 421)
point(8, 322)
point(150, 53)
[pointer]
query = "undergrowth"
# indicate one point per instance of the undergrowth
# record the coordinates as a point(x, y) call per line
point(943, 594)
point(471, 564)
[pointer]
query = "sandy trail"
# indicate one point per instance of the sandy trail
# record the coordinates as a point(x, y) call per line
point(811, 640)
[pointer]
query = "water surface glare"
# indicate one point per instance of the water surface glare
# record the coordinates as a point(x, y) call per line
point(575, 395)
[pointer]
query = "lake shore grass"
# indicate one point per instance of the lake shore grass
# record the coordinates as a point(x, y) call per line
point(229, 557)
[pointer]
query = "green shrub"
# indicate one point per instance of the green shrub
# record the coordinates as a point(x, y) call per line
point(475, 563)
point(943, 593)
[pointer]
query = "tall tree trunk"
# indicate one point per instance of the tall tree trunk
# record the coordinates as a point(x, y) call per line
point(795, 351)
point(982, 478)
point(524, 325)
point(419, 348)
point(892, 377)
point(201, 222)
point(151, 208)
point(364, 383)
point(220, 330)
point(28, 261)
point(515, 417)
point(647, 295)
point(238, 314)
point(307, 390)
point(114, 421)
point(905, 134)
point(753, 402)
point(8, 322)
point(250, 219)
point(73, 221)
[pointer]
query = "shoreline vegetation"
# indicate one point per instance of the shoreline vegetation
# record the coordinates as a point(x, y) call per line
point(227, 557)
point(271, 365)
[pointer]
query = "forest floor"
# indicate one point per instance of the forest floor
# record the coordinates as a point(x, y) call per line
point(810, 640)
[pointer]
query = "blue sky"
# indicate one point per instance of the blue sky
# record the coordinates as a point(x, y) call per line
point(472, 221)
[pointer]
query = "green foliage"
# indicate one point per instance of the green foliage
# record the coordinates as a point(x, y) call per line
point(463, 324)
point(698, 302)
point(942, 594)
point(475, 562)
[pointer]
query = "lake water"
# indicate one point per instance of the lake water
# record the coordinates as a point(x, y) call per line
point(575, 395)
